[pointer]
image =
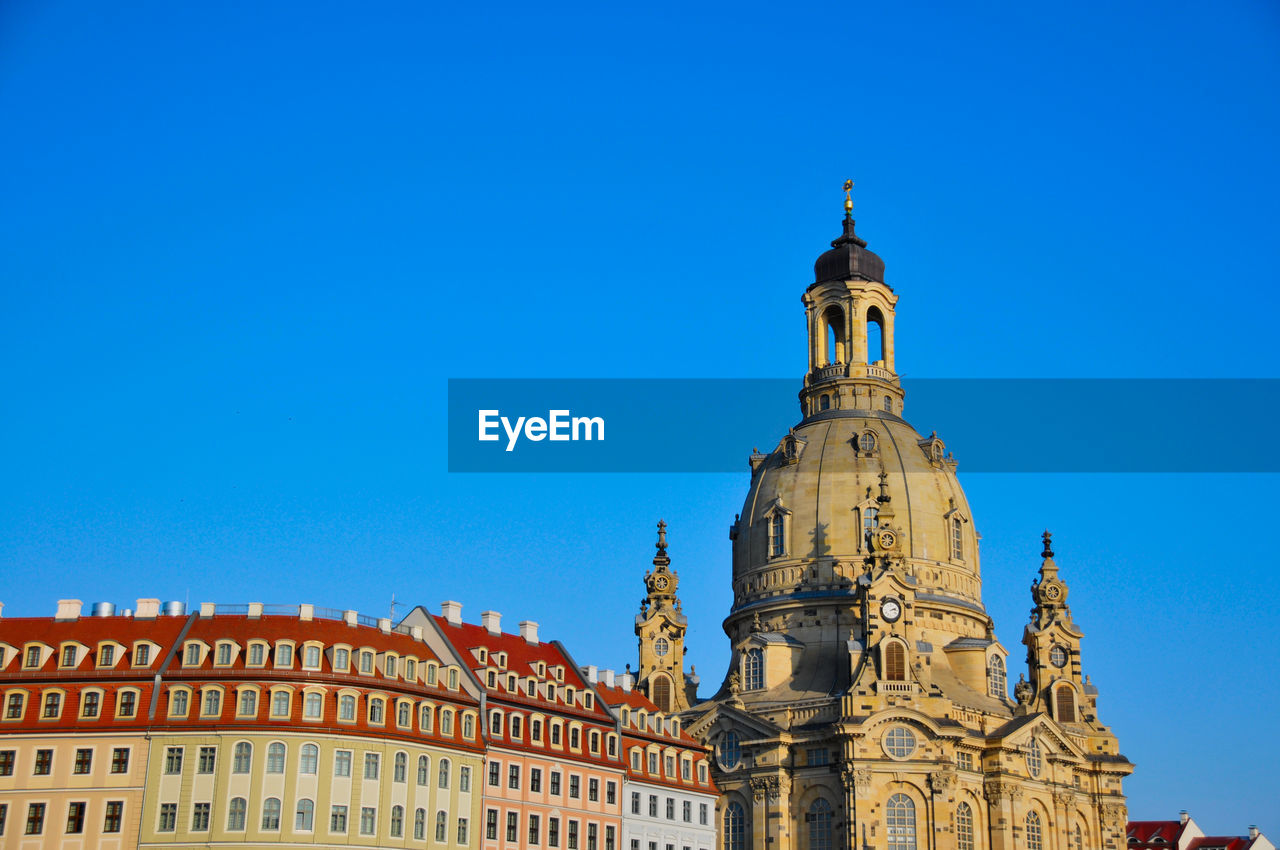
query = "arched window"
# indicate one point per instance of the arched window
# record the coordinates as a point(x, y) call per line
point(280, 704)
point(957, 538)
point(375, 710)
point(662, 693)
point(777, 535)
point(870, 522)
point(424, 718)
point(888, 404)
point(443, 779)
point(313, 706)
point(275, 758)
point(753, 670)
point(420, 824)
point(1035, 835)
point(424, 770)
point(468, 726)
point(440, 826)
point(271, 814)
point(900, 822)
point(996, 682)
point(304, 817)
point(310, 759)
point(401, 768)
point(824, 402)
point(1066, 704)
point(236, 814)
point(397, 821)
point(1035, 758)
point(1077, 838)
point(735, 824)
point(495, 722)
point(895, 662)
point(729, 750)
point(875, 335)
point(833, 319)
point(212, 702)
point(404, 713)
point(964, 827)
point(243, 757)
point(346, 707)
point(819, 818)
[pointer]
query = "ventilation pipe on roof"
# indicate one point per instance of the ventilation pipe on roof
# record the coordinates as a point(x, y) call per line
point(529, 631)
point(492, 622)
point(1253, 831)
point(452, 612)
point(1183, 817)
point(103, 609)
point(173, 609)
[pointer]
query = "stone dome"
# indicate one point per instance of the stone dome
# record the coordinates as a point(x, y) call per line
point(848, 259)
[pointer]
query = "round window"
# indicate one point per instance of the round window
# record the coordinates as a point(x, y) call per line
point(1058, 656)
point(899, 742)
point(867, 441)
point(661, 647)
point(729, 750)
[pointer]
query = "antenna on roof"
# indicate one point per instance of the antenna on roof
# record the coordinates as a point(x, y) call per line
point(392, 614)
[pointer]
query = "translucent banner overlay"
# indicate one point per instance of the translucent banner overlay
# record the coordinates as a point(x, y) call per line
point(991, 425)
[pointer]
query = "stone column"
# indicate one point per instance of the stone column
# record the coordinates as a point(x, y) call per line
point(1002, 800)
point(1063, 808)
point(857, 789)
point(1113, 817)
point(941, 784)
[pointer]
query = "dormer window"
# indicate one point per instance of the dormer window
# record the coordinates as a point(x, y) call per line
point(311, 657)
point(753, 670)
point(142, 655)
point(107, 655)
point(69, 656)
point(777, 536)
point(431, 674)
point(33, 657)
point(482, 655)
point(366, 662)
point(192, 657)
point(257, 654)
point(284, 655)
point(996, 681)
point(389, 667)
point(224, 655)
point(957, 539)
point(531, 688)
point(511, 682)
point(411, 669)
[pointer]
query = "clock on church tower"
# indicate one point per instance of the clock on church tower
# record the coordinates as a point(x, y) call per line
point(660, 626)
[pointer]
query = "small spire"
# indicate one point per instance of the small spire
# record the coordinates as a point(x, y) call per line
point(848, 199)
point(662, 537)
point(1048, 545)
point(883, 498)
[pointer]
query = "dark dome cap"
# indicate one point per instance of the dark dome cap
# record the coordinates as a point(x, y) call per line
point(848, 259)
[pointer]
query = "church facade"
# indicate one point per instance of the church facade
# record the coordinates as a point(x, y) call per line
point(867, 702)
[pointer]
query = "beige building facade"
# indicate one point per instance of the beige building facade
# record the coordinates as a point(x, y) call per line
point(868, 702)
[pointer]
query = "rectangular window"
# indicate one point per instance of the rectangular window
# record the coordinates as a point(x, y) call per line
point(611, 793)
point(553, 832)
point(513, 825)
point(491, 824)
point(200, 817)
point(35, 819)
point(609, 838)
point(4, 816)
point(462, 832)
point(686, 770)
point(13, 711)
point(128, 704)
point(535, 780)
point(702, 814)
point(513, 776)
point(338, 819)
point(142, 655)
point(495, 775)
point(193, 655)
point(635, 802)
point(368, 820)
point(964, 761)
point(44, 762)
point(653, 763)
point(69, 656)
point(653, 805)
point(555, 783)
point(573, 835)
point(371, 763)
point(7, 758)
point(818, 756)
point(52, 705)
point(669, 766)
point(208, 756)
point(107, 656)
point(168, 817)
point(257, 655)
point(224, 654)
point(686, 811)
point(284, 655)
point(75, 818)
point(33, 657)
point(84, 761)
point(575, 787)
point(635, 759)
point(671, 808)
point(342, 763)
point(593, 790)
point(702, 772)
point(592, 829)
point(114, 816)
point(173, 760)
point(120, 760)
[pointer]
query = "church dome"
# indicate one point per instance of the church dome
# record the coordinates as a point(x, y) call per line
point(848, 258)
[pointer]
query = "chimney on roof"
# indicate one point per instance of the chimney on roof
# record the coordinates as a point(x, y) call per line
point(1183, 817)
point(607, 675)
point(626, 682)
point(492, 622)
point(68, 609)
point(529, 631)
point(593, 674)
point(147, 609)
point(1253, 831)
point(452, 612)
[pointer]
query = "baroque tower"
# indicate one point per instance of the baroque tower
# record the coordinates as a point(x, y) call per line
point(660, 626)
point(866, 704)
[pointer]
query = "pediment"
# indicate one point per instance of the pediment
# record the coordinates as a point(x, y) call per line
point(721, 716)
point(1020, 732)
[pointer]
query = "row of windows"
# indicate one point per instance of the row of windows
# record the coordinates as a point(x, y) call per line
point(92, 704)
point(653, 845)
point(868, 520)
point(576, 835)
point(259, 653)
point(652, 722)
point(532, 688)
point(484, 656)
point(686, 808)
point(42, 764)
point(77, 812)
point(309, 763)
point(660, 766)
point(304, 816)
point(514, 777)
point(513, 727)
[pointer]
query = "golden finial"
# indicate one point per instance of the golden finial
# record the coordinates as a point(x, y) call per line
point(848, 197)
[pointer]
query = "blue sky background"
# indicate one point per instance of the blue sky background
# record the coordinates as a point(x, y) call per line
point(243, 248)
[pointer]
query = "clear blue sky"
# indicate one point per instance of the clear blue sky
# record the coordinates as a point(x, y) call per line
point(243, 246)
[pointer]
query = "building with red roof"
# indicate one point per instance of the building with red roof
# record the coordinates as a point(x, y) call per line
point(1186, 834)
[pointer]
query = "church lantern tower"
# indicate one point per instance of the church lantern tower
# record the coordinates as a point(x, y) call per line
point(660, 626)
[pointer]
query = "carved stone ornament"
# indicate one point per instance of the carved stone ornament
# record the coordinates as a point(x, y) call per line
point(942, 781)
point(1114, 816)
point(857, 778)
point(768, 786)
point(998, 793)
point(1022, 691)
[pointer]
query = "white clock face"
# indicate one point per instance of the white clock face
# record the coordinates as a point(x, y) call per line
point(890, 609)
